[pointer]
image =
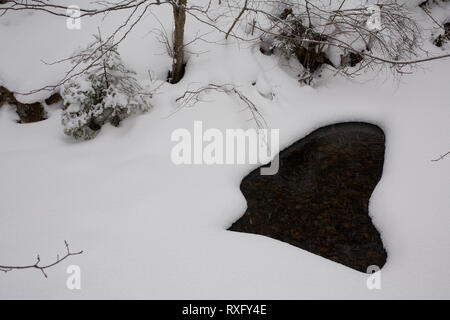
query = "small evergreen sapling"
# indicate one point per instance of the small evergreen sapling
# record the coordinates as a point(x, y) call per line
point(107, 92)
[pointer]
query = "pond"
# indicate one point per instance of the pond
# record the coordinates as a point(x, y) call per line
point(319, 200)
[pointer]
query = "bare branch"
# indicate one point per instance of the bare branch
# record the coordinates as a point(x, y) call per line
point(441, 157)
point(237, 19)
point(191, 97)
point(43, 268)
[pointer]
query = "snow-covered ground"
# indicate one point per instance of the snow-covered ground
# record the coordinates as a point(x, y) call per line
point(151, 229)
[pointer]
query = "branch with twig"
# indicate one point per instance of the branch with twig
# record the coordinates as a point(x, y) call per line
point(314, 32)
point(441, 157)
point(191, 97)
point(37, 265)
point(138, 11)
point(237, 19)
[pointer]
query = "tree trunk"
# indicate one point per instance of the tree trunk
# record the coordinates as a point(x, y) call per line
point(179, 14)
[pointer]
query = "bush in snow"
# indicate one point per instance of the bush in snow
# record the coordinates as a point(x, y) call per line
point(106, 92)
point(294, 38)
point(342, 34)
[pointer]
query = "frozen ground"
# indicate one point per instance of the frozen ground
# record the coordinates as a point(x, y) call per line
point(151, 229)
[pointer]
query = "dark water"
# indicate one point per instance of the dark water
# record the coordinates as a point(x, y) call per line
point(319, 199)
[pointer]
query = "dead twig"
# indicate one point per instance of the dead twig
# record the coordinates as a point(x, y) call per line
point(38, 261)
point(441, 157)
point(191, 97)
point(237, 19)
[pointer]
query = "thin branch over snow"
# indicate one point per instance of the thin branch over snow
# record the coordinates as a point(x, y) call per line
point(345, 30)
point(139, 9)
point(237, 19)
point(191, 97)
point(441, 157)
point(38, 261)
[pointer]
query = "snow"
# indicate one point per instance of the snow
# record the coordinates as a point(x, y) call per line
point(151, 229)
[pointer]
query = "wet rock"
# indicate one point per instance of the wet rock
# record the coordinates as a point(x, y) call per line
point(6, 97)
point(319, 199)
point(28, 112)
point(286, 13)
point(266, 48)
point(443, 38)
point(32, 112)
point(351, 59)
point(54, 98)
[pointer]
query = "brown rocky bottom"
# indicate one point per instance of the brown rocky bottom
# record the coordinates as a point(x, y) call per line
point(319, 199)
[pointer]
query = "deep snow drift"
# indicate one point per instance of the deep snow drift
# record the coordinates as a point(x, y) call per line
point(151, 229)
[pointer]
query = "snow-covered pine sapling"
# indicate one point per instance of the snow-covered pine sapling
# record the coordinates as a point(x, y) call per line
point(107, 92)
